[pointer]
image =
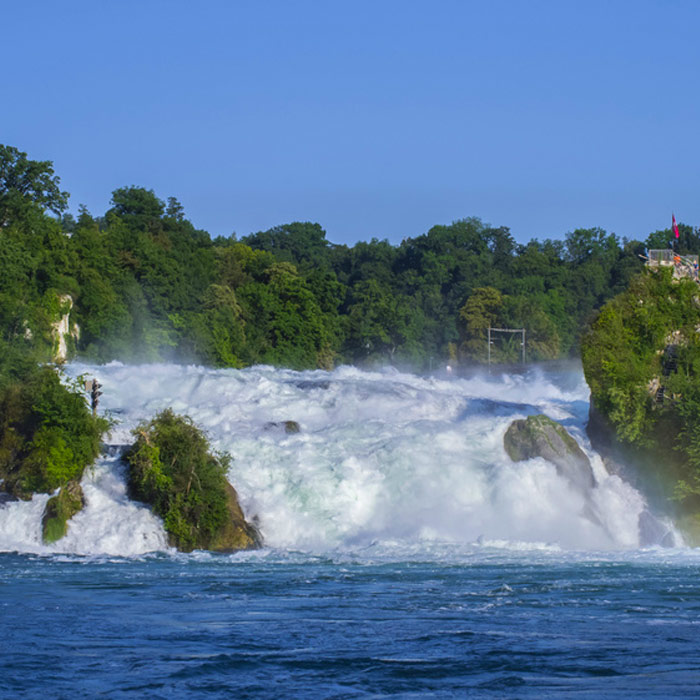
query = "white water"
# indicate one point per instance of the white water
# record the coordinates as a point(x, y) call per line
point(382, 458)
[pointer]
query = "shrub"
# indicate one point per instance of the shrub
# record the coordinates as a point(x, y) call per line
point(173, 469)
point(47, 433)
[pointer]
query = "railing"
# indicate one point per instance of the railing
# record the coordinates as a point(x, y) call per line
point(684, 265)
point(660, 257)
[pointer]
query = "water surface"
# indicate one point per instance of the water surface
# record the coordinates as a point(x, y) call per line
point(406, 555)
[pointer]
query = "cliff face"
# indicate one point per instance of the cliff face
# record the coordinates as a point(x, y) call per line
point(641, 360)
point(63, 329)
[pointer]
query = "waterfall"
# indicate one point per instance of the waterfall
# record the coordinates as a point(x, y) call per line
point(381, 457)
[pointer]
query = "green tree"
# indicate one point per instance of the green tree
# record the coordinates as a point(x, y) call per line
point(137, 206)
point(301, 243)
point(688, 240)
point(381, 325)
point(26, 182)
point(47, 434)
point(481, 310)
point(286, 325)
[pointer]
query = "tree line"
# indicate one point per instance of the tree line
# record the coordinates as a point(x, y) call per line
point(147, 285)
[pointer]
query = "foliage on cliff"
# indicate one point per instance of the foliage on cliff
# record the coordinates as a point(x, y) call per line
point(641, 359)
point(47, 433)
point(172, 468)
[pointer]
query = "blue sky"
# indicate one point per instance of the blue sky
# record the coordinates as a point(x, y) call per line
point(376, 119)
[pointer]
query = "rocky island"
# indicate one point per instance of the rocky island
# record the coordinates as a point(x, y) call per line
point(641, 359)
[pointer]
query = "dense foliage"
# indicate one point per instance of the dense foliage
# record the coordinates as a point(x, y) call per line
point(173, 469)
point(147, 285)
point(142, 283)
point(47, 433)
point(642, 362)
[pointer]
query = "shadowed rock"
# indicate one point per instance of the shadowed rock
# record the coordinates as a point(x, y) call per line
point(630, 467)
point(307, 384)
point(7, 498)
point(290, 426)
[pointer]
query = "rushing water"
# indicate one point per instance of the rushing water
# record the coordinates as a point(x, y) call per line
point(405, 554)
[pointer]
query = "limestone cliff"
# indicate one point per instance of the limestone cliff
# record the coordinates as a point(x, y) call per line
point(64, 329)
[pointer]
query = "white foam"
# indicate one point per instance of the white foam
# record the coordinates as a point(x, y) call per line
point(20, 525)
point(110, 523)
point(383, 458)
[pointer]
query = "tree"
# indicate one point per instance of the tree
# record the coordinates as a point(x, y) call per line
point(301, 243)
point(137, 206)
point(175, 210)
point(481, 310)
point(584, 244)
point(24, 182)
point(380, 323)
point(287, 326)
point(688, 240)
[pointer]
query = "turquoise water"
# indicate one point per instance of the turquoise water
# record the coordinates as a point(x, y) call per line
point(486, 624)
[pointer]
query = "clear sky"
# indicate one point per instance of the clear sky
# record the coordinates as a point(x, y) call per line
point(376, 119)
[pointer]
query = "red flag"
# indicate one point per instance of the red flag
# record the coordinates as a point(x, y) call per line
point(675, 225)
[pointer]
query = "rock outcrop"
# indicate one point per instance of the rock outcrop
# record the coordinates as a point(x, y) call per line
point(653, 531)
point(237, 533)
point(639, 470)
point(173, 468)
point(540, 436)
point(640, 358)
point(7, 498)
point(64, 329)
point(60, 509)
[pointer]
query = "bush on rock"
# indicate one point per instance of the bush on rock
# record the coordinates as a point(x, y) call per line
point(59, 510)
point(173, 468)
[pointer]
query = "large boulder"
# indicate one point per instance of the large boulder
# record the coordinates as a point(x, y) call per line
point(540, 436)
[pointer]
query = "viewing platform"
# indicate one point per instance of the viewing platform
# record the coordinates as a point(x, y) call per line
point(683, 265)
